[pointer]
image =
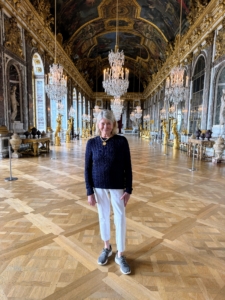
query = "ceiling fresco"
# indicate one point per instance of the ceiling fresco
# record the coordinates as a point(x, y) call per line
point(164, 14)
point(146, 29)
point(127, 42)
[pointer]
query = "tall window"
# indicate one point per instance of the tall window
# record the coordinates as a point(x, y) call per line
point(75, 108)
point(220, 87)
point(89, 108)
point(39, 102)
point(80, 112)
point(197, 95)
point(84, 105)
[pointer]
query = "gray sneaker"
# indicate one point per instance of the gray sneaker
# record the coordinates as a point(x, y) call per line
point(103, 258)
point(124, 267)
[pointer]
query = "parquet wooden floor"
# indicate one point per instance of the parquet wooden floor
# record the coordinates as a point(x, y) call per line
point(49, 235)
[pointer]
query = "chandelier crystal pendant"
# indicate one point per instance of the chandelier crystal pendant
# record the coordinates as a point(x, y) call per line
point(72, 112)
point(115, 78)
point(163, 114)
point(177, 83)
point(117, 107)
point(56, 82)
point(96, 111)
point(60, 106)
point(132, 116)
point(138, 112)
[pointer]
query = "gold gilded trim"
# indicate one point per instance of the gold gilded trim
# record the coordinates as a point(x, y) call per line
point(203, 26)
point(28, 18)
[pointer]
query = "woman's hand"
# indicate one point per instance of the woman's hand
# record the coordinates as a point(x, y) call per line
point(91, 200)
point(125, 198)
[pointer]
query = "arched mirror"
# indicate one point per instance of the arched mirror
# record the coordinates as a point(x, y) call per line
point(197, 95)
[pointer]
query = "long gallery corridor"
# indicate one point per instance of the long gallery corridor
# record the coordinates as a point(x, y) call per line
point(49, 236)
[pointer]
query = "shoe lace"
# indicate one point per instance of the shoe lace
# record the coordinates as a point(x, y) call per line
point(105, 250)
point(123, 261)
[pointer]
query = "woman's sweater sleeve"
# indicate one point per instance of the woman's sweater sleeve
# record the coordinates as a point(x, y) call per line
point(88, 169)
point(128, 169)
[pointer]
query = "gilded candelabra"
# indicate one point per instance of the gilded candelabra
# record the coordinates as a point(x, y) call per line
point(165, 132)
point(68, 132)
point(86, 126)
point(176, 142)
point(58, 130)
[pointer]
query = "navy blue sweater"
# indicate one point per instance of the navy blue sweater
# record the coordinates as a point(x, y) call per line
point(109, 166)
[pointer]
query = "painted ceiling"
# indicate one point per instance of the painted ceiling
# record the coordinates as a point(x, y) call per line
point(145, 30)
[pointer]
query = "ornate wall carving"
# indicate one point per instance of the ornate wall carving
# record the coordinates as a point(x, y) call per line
point(13, 40)
point(43, 8)
point(206, 16)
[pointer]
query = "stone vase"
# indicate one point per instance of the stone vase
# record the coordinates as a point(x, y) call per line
point(218, 148)
point(15, 142)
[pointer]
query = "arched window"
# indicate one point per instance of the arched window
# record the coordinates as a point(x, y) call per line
point(197, 94)
point(39, 101)
point(220, 87)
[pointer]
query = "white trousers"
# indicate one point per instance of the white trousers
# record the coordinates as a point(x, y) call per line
point(103, 197)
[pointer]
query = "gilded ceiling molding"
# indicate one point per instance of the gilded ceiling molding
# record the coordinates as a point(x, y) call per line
point(29, 18)
point(203, 26)
point(127, 96)
point(43, 8)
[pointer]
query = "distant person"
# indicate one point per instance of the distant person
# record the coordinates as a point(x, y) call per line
point(108, 176)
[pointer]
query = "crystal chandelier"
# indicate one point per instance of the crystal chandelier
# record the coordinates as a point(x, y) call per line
point(86, 118)
point(72, 112)
point(172, 111)
point(177, 83)
point(115, 79)
point(60, 106)
point(56, 82)
point(132, 116)
point(138, 112)
point(163, 113)
point(176, 88)
point(146, 120)
point(117, 107)
point(96, 111)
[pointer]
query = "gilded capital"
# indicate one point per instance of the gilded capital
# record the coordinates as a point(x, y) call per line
point(209, 39)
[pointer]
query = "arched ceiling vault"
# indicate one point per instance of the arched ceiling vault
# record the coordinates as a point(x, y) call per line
point(146, 29)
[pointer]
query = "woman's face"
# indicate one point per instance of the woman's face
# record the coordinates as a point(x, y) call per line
point(105, 126)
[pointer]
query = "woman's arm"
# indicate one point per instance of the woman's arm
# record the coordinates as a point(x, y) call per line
point(128, 168)
point(88, 169)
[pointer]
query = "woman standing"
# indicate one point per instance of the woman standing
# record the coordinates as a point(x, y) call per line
point(108, 176)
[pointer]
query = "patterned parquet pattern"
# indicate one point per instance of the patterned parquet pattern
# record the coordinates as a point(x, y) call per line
point(49, 235)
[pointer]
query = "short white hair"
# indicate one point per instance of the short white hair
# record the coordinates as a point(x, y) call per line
point(109, 115)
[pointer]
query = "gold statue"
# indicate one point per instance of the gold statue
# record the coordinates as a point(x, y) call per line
point(176, 142)
point(165, 132)
point(140, 130)
point(93, 129)
point(58, 129)
point(68, 132)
